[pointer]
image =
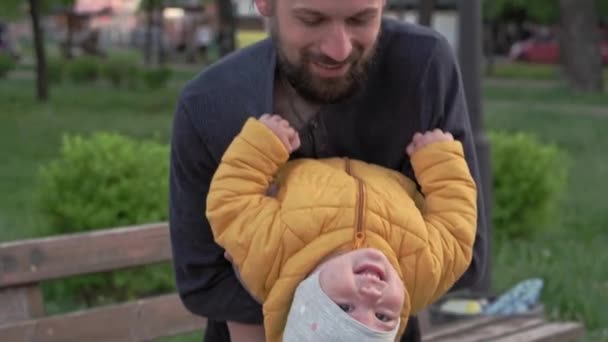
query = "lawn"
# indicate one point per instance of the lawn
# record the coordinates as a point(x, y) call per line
point(571, 257)
point(530, 71)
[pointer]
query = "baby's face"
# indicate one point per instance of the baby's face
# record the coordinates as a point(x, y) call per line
point(364, 284)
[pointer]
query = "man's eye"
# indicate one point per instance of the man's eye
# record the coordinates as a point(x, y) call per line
point(311, 21)
point(345, 307)
point(382, 317)
point(357, 21)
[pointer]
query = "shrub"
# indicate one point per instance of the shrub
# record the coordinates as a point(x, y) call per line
point(84, 69)
point(7, 64)
point(106, 181)
point(121, 71)
point(56, 68)
point(156, 78)
point(528, 181)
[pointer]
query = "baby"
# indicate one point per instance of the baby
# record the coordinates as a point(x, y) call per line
point(344, 250)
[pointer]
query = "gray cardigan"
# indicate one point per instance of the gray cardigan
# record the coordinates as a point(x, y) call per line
point(414, 85)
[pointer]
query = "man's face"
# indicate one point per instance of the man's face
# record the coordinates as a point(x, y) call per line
point(365, 285)
point(324, 46)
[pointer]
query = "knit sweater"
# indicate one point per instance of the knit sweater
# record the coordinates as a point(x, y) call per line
point(414, 85)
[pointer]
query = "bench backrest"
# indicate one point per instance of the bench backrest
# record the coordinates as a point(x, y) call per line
point(25, 264)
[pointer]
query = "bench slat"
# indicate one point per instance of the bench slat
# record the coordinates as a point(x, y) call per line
point(493, 331)
point(436, 333)
point(35, 260)
point(141, 320)
point(549, 332)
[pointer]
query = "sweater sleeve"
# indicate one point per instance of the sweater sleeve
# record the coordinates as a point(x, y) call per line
point(450, 217)
point(244, 221)
point(205, 280)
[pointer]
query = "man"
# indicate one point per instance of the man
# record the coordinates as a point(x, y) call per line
point(352, 83)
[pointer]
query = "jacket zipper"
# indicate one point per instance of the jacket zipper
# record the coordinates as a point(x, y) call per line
point(359, 228)
point(360, 208)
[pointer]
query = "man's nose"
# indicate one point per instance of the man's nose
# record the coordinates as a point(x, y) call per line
point(337, 43)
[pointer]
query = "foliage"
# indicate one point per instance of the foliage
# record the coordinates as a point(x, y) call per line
point(541, 11)
point(7, 64)
point(121, 71)
point(156, 78)
point(528, 181)
point(56, 69)
point(84, 69)
point(13, 9)
point(104, 181)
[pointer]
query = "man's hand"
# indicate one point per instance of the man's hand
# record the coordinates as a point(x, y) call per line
point(283, 130)
point(420, 140)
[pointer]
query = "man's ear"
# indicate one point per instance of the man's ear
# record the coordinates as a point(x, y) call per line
point(264, 6)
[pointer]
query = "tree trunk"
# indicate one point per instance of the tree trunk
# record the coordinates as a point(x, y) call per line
point(227, 27)
point(70, 16)
point(149, 25)
point(470, 58)
point(488, 47)
point(160, 37)
point(41, 70)
point(425, 12)
point(580, 45)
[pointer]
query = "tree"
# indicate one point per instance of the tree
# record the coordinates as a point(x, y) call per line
point(154, 35)
point(580, 45)
point(425, 16)
point(226, 37)
point(540, 11)
point(42, 85)
point(11, 9)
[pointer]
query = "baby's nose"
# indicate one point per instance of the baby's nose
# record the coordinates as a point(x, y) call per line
point(372, 292)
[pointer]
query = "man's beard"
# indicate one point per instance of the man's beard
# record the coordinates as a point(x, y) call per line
point(323, 90)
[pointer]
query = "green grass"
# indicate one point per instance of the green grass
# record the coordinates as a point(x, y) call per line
point(192, 337)
point(571, 258)
point(30, 135)
point(530, 71)
point(548, 94)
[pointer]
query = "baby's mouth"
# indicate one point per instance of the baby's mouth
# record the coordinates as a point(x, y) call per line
point(371, 271)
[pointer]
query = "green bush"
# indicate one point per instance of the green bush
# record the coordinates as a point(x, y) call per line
point(84, 69)
point(121, 71)
point(7, 64)
point(56, 68)
point(156, 78)
point(529, 179)
point(106, 181)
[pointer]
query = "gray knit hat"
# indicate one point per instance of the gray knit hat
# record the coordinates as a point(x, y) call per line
point(313, 316)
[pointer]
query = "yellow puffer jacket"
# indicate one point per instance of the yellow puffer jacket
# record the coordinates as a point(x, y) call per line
point(330, 205)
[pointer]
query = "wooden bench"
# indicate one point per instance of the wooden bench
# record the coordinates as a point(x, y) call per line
point(527, 328)
point(25, 264)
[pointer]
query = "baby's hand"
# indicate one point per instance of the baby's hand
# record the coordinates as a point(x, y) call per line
point(283, 130)
point(420, 140)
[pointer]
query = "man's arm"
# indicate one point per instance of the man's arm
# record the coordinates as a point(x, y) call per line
point(205, 279)
point(442, 95)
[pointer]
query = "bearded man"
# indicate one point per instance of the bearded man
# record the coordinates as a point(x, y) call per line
point(352, 83)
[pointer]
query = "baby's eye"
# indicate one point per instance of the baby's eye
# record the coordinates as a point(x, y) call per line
point(345, 307)
point(382, 317)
